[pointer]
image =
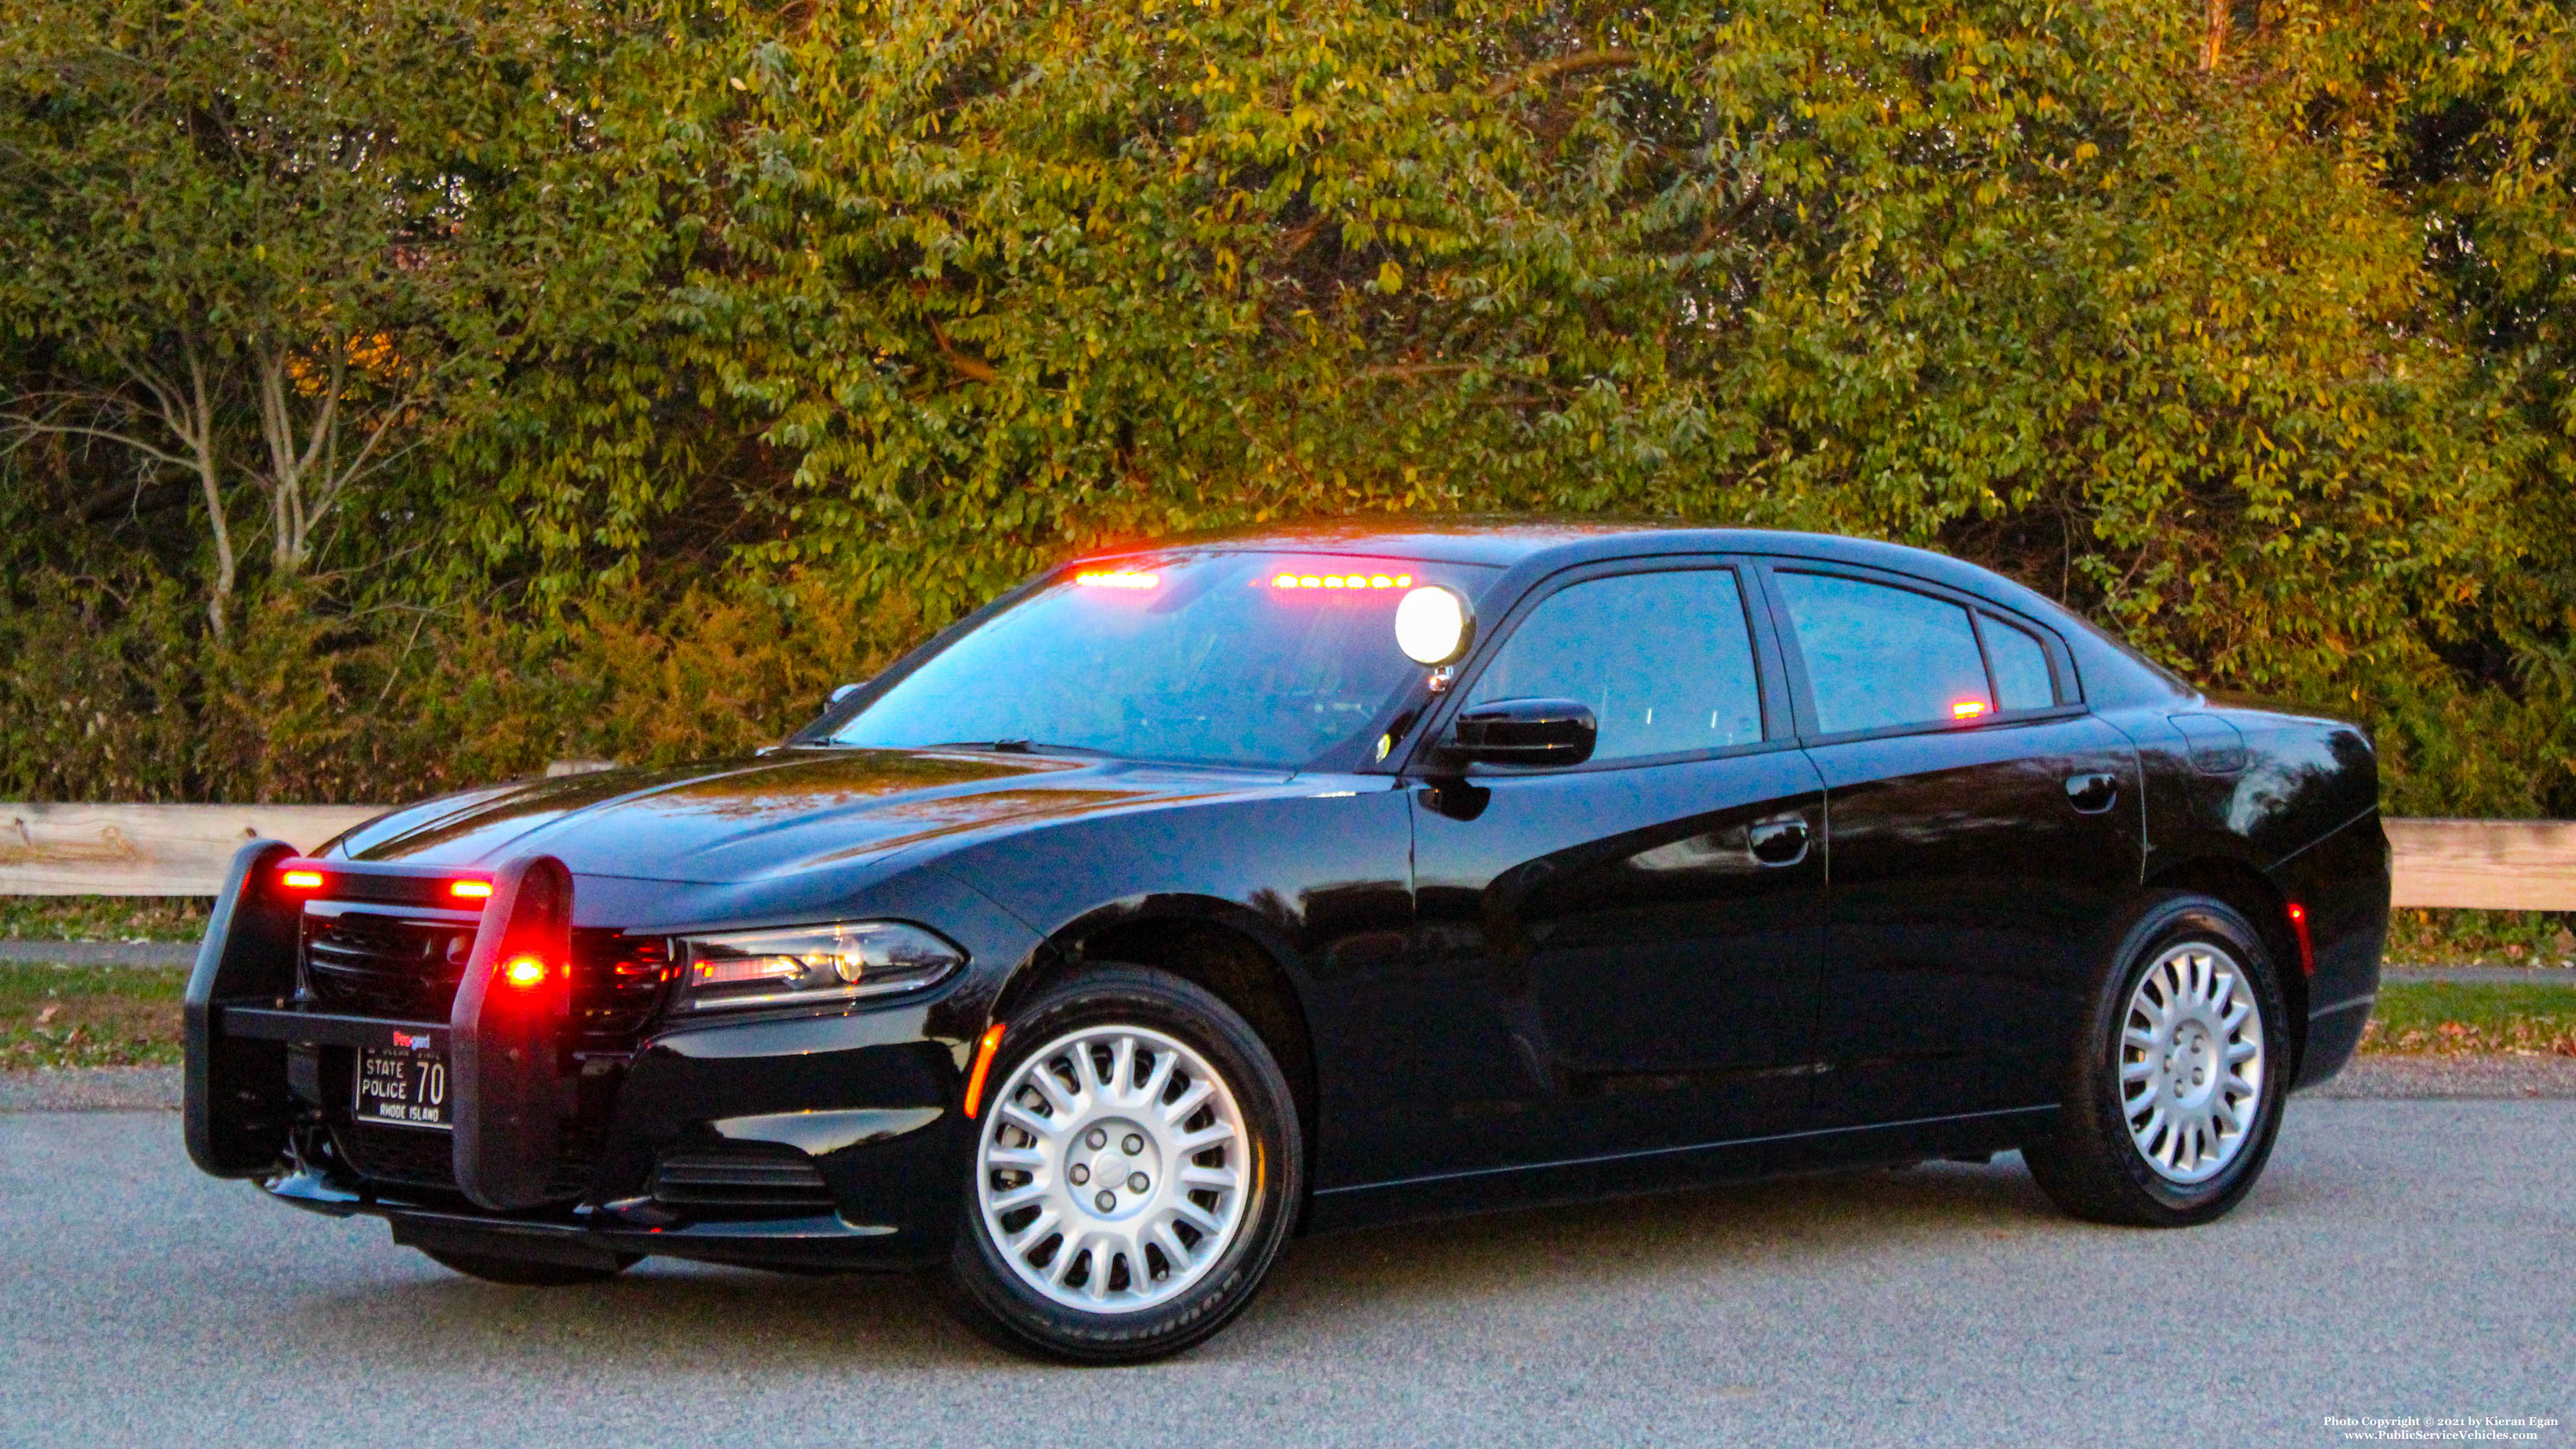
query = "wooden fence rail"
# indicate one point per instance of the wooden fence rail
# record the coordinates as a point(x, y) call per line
point(2496, 865)
point(148, 850)
point(180, 850)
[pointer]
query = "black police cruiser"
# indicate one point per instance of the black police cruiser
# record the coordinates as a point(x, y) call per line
point(1193, 896)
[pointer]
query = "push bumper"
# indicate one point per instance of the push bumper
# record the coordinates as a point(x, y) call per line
point(817, 1142)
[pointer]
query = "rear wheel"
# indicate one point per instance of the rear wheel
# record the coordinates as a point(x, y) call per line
point(2174, 1094)
point(527, 1272)
point(1136, 1170)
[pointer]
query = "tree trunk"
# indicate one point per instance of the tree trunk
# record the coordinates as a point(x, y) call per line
point(201, 440)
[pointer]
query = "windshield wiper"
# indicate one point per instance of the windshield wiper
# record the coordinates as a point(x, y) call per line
point(1018, 747)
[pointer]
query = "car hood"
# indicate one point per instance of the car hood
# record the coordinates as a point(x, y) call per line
point(775, 814)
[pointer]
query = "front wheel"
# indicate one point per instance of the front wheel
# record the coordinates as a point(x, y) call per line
point(1137, 1165)
point(2174, 1093)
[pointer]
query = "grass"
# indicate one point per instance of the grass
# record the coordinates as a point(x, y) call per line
point(103, 918)
point(88, 1016)
point(2470, 1018)
point(2418, 937)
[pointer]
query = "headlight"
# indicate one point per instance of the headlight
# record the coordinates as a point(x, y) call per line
point(798, 964)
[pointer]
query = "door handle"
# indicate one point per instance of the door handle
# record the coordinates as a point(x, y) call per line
point(2093, 794)
point(1778, 842)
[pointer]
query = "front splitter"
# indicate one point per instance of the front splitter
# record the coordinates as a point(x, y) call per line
point(826, 1242)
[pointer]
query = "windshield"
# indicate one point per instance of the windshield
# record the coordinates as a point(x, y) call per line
point(1265, 659)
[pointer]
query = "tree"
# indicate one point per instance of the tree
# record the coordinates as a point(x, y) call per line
point(246, 236)
point(700, 330)
point(2064, 286)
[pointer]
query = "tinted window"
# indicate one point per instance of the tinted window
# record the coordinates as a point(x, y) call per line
point(1663, 660)
point(1236, 658)
point(1879, 656)
point(2020, 664)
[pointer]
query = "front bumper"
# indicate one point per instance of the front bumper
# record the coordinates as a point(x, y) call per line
point(819, 1142)
point(862, 1106)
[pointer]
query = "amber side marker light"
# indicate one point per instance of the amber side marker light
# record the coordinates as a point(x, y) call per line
point(2307, 948)
point(984, 1050)
point(1966, 709)
point(524, 971)
point(301, 880)
point(470, 890)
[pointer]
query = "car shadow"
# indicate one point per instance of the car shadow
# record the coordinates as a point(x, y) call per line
point(1791, 1225)
point(668, 1316)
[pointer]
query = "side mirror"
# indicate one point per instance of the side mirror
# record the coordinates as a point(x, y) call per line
point(1525, 732)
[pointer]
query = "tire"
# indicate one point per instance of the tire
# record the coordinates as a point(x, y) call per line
point(526, 1272)
point(2110, 1157)
point(1167, 1172)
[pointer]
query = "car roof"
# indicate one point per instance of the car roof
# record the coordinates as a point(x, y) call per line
point(1560, 542)
point(1457, 538)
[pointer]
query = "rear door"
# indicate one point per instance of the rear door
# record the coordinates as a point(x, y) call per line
point(1981, 826)
point(1622, 955)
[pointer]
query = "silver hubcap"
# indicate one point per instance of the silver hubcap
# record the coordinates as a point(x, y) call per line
point(2191, 1063)
point(1113, 1169)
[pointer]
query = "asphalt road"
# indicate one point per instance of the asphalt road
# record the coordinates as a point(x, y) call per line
point(2401, 1258)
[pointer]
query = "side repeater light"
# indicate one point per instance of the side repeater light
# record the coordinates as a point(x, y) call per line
point(470, 890)
point(301, 880)
point(1967, 709)
point(524, 971)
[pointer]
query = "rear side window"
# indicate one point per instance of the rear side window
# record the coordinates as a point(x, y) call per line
point(1879, 656)
point(2021, 666)
point(1663, 659)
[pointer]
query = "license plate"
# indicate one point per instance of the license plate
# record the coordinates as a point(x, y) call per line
point(409, 1088)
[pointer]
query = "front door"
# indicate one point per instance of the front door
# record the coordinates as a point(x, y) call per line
point(1621, 955)
point(1981, 828)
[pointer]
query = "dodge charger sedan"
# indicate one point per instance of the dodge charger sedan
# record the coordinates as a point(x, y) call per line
point(1190, 897)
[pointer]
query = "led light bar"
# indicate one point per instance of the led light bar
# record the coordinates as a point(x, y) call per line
point(1116, 579)
point(1342, 581)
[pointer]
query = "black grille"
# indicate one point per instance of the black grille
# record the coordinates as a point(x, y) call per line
point(414, 1158)
point(398, 1154)
point(372, 965)
point(736, 1179)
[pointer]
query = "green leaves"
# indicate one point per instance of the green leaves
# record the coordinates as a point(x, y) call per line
point(880, 307)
